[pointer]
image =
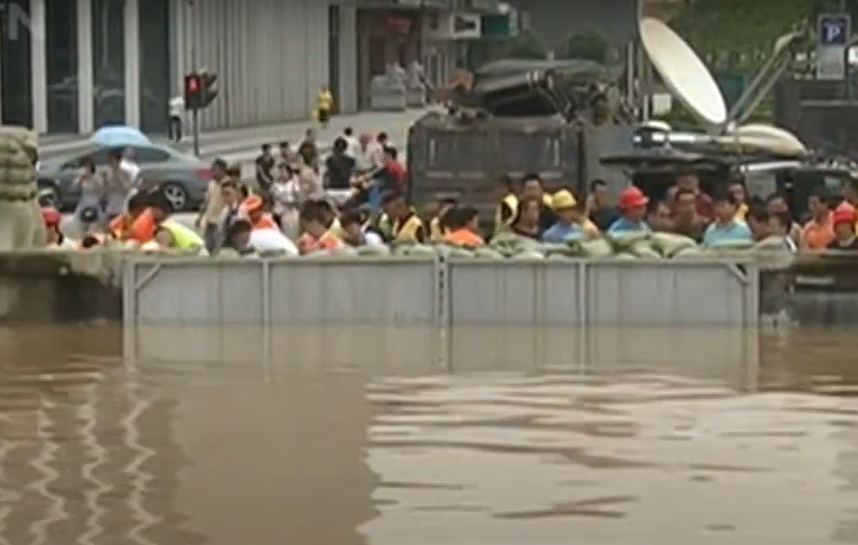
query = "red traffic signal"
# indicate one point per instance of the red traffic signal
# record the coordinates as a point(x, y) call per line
point(193, 91)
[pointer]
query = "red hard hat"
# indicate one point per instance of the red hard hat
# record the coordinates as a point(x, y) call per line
point(51, 217)
point(631, 197)
point(845, 213)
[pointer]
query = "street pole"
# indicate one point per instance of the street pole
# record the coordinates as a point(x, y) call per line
point(195, 112)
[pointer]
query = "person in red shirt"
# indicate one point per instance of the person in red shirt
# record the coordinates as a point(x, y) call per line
point(687, 179)
point(392, 176)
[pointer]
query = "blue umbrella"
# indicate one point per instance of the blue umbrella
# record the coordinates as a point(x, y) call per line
point(119, 137)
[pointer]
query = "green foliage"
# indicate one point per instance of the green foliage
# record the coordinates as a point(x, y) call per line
point(589, 45)
point(524, 46)
point(737, 34)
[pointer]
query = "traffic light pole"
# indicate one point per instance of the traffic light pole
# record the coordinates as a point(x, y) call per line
point(195, 112)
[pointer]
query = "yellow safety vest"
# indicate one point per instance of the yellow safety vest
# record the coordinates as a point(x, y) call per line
point(436, 234)
point(336, 229)
point(384, 226)
point(184, 238)
point(511, 201)
point(407, 231)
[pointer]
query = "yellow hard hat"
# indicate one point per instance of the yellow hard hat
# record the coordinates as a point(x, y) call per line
point(563, 199)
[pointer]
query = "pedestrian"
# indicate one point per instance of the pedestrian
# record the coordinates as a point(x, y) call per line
point(212, 209)
point(284, 195)
point(352, 143)
point(324, 106)
point(177, 110)
point(310, 186)
point(265, 169)
point(285, 153)
point(339, 166)
point(311, 149)
point(118, 184)
point(92, 191)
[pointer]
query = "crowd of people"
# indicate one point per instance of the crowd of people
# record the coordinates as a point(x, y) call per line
point(356, 197)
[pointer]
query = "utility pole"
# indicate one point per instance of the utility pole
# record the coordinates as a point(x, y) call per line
point(190, 16)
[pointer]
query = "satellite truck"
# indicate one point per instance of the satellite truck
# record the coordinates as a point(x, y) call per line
point(766, 157)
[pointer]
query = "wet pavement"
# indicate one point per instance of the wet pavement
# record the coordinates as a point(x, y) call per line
point(357, 436)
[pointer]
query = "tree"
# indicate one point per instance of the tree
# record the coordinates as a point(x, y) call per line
point(736, 34)
point(589, 45)
point(524, 46)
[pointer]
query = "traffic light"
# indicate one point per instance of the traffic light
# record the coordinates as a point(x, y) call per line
point(200, 89)
point(193, 91)
point(209, 87)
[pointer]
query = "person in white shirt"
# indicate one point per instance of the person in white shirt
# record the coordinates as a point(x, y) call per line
point(177, 110)
point(129, 165)
point(270, 240)
point(352, 144)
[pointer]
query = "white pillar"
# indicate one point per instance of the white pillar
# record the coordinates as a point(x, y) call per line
point(178, 23)
point(132, 63)
point(39, 66)
point(85, 74)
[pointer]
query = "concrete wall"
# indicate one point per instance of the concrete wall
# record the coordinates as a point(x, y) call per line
point(271, 56)
point(554, 21)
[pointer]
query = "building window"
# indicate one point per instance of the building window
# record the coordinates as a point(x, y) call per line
point(108, 61)
point(154, 65)
point(61, 65)
point(16, 66)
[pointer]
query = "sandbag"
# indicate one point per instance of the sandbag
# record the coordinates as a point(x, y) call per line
point(487, 253)
point(556, 248)
point(643, 249)
point(510, 244)
point(528, 255)
point(377, 250)
point(772, 244)
point(731, 245)
point(597, 248)
point(417, 250)
point(624, 241)
point(668, 244)
point(625, 256)
point(690, 253)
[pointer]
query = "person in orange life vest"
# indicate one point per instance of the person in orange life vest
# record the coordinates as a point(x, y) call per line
point(120, 226)
point(145, 225)
point(316, 235)
point(254, 208)
point(844, 218)
point(463, 227)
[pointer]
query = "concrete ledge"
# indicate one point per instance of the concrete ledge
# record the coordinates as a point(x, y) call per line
point(55, 286)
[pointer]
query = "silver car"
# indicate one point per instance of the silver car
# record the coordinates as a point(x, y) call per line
point(183, 178)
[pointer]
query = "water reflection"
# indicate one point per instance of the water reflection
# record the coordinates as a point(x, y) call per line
point(362, 435)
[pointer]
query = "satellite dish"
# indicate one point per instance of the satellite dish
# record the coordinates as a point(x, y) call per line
point(683, 72)
point(780, 141)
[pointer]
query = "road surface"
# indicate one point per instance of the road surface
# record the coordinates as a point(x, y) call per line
point(242, 145)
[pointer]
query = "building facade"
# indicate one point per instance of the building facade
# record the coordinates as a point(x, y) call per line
point(72, 66)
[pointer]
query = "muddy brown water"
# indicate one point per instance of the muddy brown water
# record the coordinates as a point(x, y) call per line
point(361, 436)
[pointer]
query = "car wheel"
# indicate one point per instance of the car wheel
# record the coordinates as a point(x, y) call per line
point(176, 195)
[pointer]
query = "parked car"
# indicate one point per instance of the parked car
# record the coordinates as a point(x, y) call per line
point(183, 178)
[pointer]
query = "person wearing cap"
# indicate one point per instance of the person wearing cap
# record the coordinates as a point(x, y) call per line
point(53, 219)
point(253, 208)
point(632, 205)
point(211, 211)
point(405, 224)
point(843, 219)
point(818, 233)
point(572, 222)
point(726, 228)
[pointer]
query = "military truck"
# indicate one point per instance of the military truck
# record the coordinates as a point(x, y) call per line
point(519, 116)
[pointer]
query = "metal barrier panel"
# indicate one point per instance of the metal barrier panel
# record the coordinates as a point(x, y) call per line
point(704, 292)
point(194, 291)
point(515, 292)
point(395, 291)
point(398, 291)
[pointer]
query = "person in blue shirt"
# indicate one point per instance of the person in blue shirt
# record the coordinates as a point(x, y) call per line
point(726, 227)
point(572, 222)
point(632, 205)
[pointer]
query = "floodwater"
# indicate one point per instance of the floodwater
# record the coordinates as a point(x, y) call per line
point(390, 438)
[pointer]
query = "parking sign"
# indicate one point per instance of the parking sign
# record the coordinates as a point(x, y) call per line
point(833, 35)
point(834, 29)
